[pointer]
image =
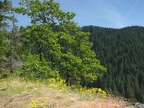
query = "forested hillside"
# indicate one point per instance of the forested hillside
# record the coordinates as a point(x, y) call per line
point(121, 51)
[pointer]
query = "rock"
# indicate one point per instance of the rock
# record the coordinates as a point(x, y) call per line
point(138, 105)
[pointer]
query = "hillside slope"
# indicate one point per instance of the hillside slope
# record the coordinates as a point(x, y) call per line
point(121, 52)
point(22, 93)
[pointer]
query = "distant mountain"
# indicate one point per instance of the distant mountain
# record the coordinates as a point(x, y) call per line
point(121, 51)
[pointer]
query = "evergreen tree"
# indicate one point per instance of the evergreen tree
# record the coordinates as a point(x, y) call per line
point(8, 32)
point(4, 17)
point(55, 37)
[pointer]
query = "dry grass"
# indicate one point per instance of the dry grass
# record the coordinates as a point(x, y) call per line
point(18, 93)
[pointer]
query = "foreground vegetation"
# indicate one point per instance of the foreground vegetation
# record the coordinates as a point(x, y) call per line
point(16, 92)
point(53, 45)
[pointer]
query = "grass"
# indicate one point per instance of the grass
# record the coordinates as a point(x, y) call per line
point(18, 92)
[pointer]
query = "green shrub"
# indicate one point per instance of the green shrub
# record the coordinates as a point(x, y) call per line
point(5, 74)
point(34, 68)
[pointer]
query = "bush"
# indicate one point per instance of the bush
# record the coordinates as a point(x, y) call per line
point(5, 74)
point(34, 68)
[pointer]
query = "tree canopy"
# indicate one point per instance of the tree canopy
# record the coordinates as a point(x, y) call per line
point(53, 45)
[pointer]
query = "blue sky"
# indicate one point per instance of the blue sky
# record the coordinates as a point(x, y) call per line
point(104, 13)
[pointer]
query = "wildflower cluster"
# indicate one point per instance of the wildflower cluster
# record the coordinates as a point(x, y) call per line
point(56, 83)
point(97, 91)
point(34, 103)
point(60, 84)
point(38, 103)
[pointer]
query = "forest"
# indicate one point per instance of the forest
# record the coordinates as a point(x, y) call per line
point(54, 46)
point(121, 52)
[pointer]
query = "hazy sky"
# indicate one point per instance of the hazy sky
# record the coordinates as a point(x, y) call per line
point(104, 13)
